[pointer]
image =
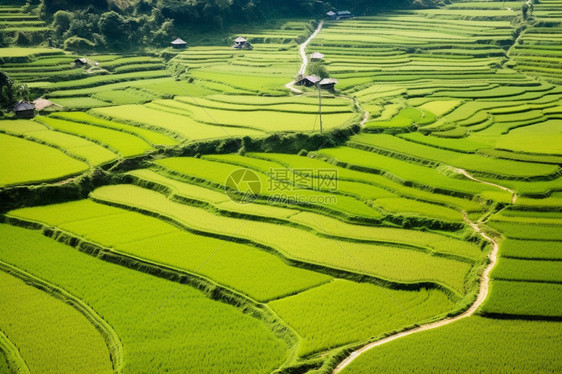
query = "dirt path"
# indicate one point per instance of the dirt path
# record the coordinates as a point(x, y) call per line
point(304, 57)
point(466, 174)
point(366, 114)
point(482, 293)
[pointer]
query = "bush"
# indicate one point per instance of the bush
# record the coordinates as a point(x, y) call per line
point(77, 44)
point(317, 68)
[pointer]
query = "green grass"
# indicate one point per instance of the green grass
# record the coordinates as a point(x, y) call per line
point(164, 326)
point(25, 52)
point(217, 173)
point(90, 151)
point(542, 138)
point(439, 243)
point(23, 161)
point(399, 264)
point(100, 80)
point(51, 336)
point(235, 265)
point(153, 137)
point(528, 270)
point(531, 249)
point(172, 122)
point(80, 102)
point(302, 164)
point(126, 144)
point(4, 367)
point(122, 97)
point(406, 118)
point(469, 162)
point(528, 231)
point(344, 312)
point(320, 223)
point(412, 207)
point(286, 117)
point(405, 171)
point(524, 298)
point(473, 344)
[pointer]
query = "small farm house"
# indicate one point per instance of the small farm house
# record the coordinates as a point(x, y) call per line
point(339, 14)
point(179, 44)
point(309, 81)
point(316, 56)
point(242, 43)
point(24, 109)
point(327, 83)
point(81, 61)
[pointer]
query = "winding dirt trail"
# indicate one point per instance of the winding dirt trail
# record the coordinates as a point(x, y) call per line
point(304, 57)
point(466, 174)
point(482, 292)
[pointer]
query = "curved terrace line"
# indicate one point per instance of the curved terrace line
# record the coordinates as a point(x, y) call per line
point(16, 363)
point(210, 288)
point(285, 257)
point(112, 341)
point(482, 293)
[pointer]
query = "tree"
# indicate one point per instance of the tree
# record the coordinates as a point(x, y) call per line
point(6, 91)
point(61, 22)
point(75, 43)
point(317, 68)
point(22, 38)
point(525, 10)
point(114, 29)
point(164, 33)
point(3, 40)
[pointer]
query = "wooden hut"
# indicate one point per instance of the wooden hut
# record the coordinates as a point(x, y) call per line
point(242, 43)
point(339, 14)
point(81, 61)
point(179, 44)
point(327, 83)
point(309, 81)
point(24, 109)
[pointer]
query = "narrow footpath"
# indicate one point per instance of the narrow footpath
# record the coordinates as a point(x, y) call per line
point(482, 293)
point(304, 57)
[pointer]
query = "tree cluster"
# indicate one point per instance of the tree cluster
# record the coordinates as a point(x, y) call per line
point(11, 92)
point(110, 24)
point(129, 24)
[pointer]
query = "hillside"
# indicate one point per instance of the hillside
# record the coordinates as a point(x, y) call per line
point(217, 209)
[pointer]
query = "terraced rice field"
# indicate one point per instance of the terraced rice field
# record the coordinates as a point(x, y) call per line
point(440, 164)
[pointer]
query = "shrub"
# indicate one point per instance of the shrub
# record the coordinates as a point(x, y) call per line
point(74, 43)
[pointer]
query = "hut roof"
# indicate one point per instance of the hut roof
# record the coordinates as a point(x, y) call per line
point(240, 40)
point(313, 78)
point(23, 105)
point(179, 41)
point(327, 81)
point(344, 13)
point(330, 13)
point(81, 60)
point(317, 56)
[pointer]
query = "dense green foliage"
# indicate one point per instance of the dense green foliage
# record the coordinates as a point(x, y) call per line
point(129, 24)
